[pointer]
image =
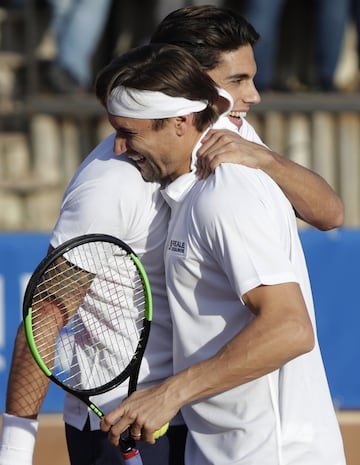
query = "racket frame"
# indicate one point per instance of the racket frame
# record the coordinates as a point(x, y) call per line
point(132, 369)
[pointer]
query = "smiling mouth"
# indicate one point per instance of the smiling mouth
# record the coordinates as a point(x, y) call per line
point(137, 158)
point(238, 114)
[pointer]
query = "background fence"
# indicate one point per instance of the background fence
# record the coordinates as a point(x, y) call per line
point(50, 136)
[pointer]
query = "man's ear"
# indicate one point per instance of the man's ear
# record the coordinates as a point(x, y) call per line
point(182, 123)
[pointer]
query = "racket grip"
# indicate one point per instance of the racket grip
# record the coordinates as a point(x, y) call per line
point(132, 457)
point(130, 453)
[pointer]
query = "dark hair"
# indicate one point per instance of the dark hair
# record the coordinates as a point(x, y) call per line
point(206, 32)
point(164, 68)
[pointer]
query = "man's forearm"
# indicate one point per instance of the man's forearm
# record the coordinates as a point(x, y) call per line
point(27, 385)
point(312, 197)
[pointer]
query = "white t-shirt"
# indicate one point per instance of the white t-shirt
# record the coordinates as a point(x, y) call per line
point(227, 235)
point(108, 195)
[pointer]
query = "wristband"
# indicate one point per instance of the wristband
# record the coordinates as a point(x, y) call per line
point(17, 440)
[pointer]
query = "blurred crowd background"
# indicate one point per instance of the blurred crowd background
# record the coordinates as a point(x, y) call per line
point(52, 50)
point(305, 44)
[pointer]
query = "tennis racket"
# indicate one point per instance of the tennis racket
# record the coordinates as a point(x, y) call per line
point(87, 313)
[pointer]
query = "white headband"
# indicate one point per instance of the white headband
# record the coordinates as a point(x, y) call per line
point(145, 104)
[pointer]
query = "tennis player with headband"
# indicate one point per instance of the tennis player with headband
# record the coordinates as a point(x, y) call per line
point(249, 377)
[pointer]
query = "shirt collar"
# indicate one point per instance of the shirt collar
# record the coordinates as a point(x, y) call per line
point(177, 190)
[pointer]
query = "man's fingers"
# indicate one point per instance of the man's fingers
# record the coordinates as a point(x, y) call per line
point(113, 437)
point(202, 169)
point(135, 433)
point(105, 425)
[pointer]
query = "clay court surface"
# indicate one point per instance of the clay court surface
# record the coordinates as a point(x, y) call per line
point(51, 447)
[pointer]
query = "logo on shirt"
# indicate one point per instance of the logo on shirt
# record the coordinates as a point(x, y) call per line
point(178, 247)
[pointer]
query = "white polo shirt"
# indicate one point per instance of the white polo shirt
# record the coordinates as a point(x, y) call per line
point(108, 195)
point(228, 234)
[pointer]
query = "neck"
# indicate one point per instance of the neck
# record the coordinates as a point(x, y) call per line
point(185, 154)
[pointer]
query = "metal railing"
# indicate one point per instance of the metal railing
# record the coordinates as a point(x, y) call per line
point(319, 131)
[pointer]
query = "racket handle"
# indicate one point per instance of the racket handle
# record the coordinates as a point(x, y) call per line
point(130, 453)
point(132, 457)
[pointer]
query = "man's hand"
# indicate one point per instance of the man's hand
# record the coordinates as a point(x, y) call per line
point(145, 411)
point(225, 146)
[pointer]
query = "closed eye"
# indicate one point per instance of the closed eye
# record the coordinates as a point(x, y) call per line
point(124, 133)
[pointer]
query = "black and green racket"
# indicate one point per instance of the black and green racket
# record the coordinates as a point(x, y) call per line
point(87, 313)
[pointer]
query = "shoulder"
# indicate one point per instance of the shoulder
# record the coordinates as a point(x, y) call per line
point(238, 189)
point(104, 173)
point(240, 205)
point(103, 162)
point(231, 179)
point(108, 188)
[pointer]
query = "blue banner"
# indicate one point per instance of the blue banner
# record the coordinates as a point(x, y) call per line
point(20, 253)
point(333, 260)
point(334, 265)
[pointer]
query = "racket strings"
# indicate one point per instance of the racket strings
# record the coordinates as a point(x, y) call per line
point(88, 315)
